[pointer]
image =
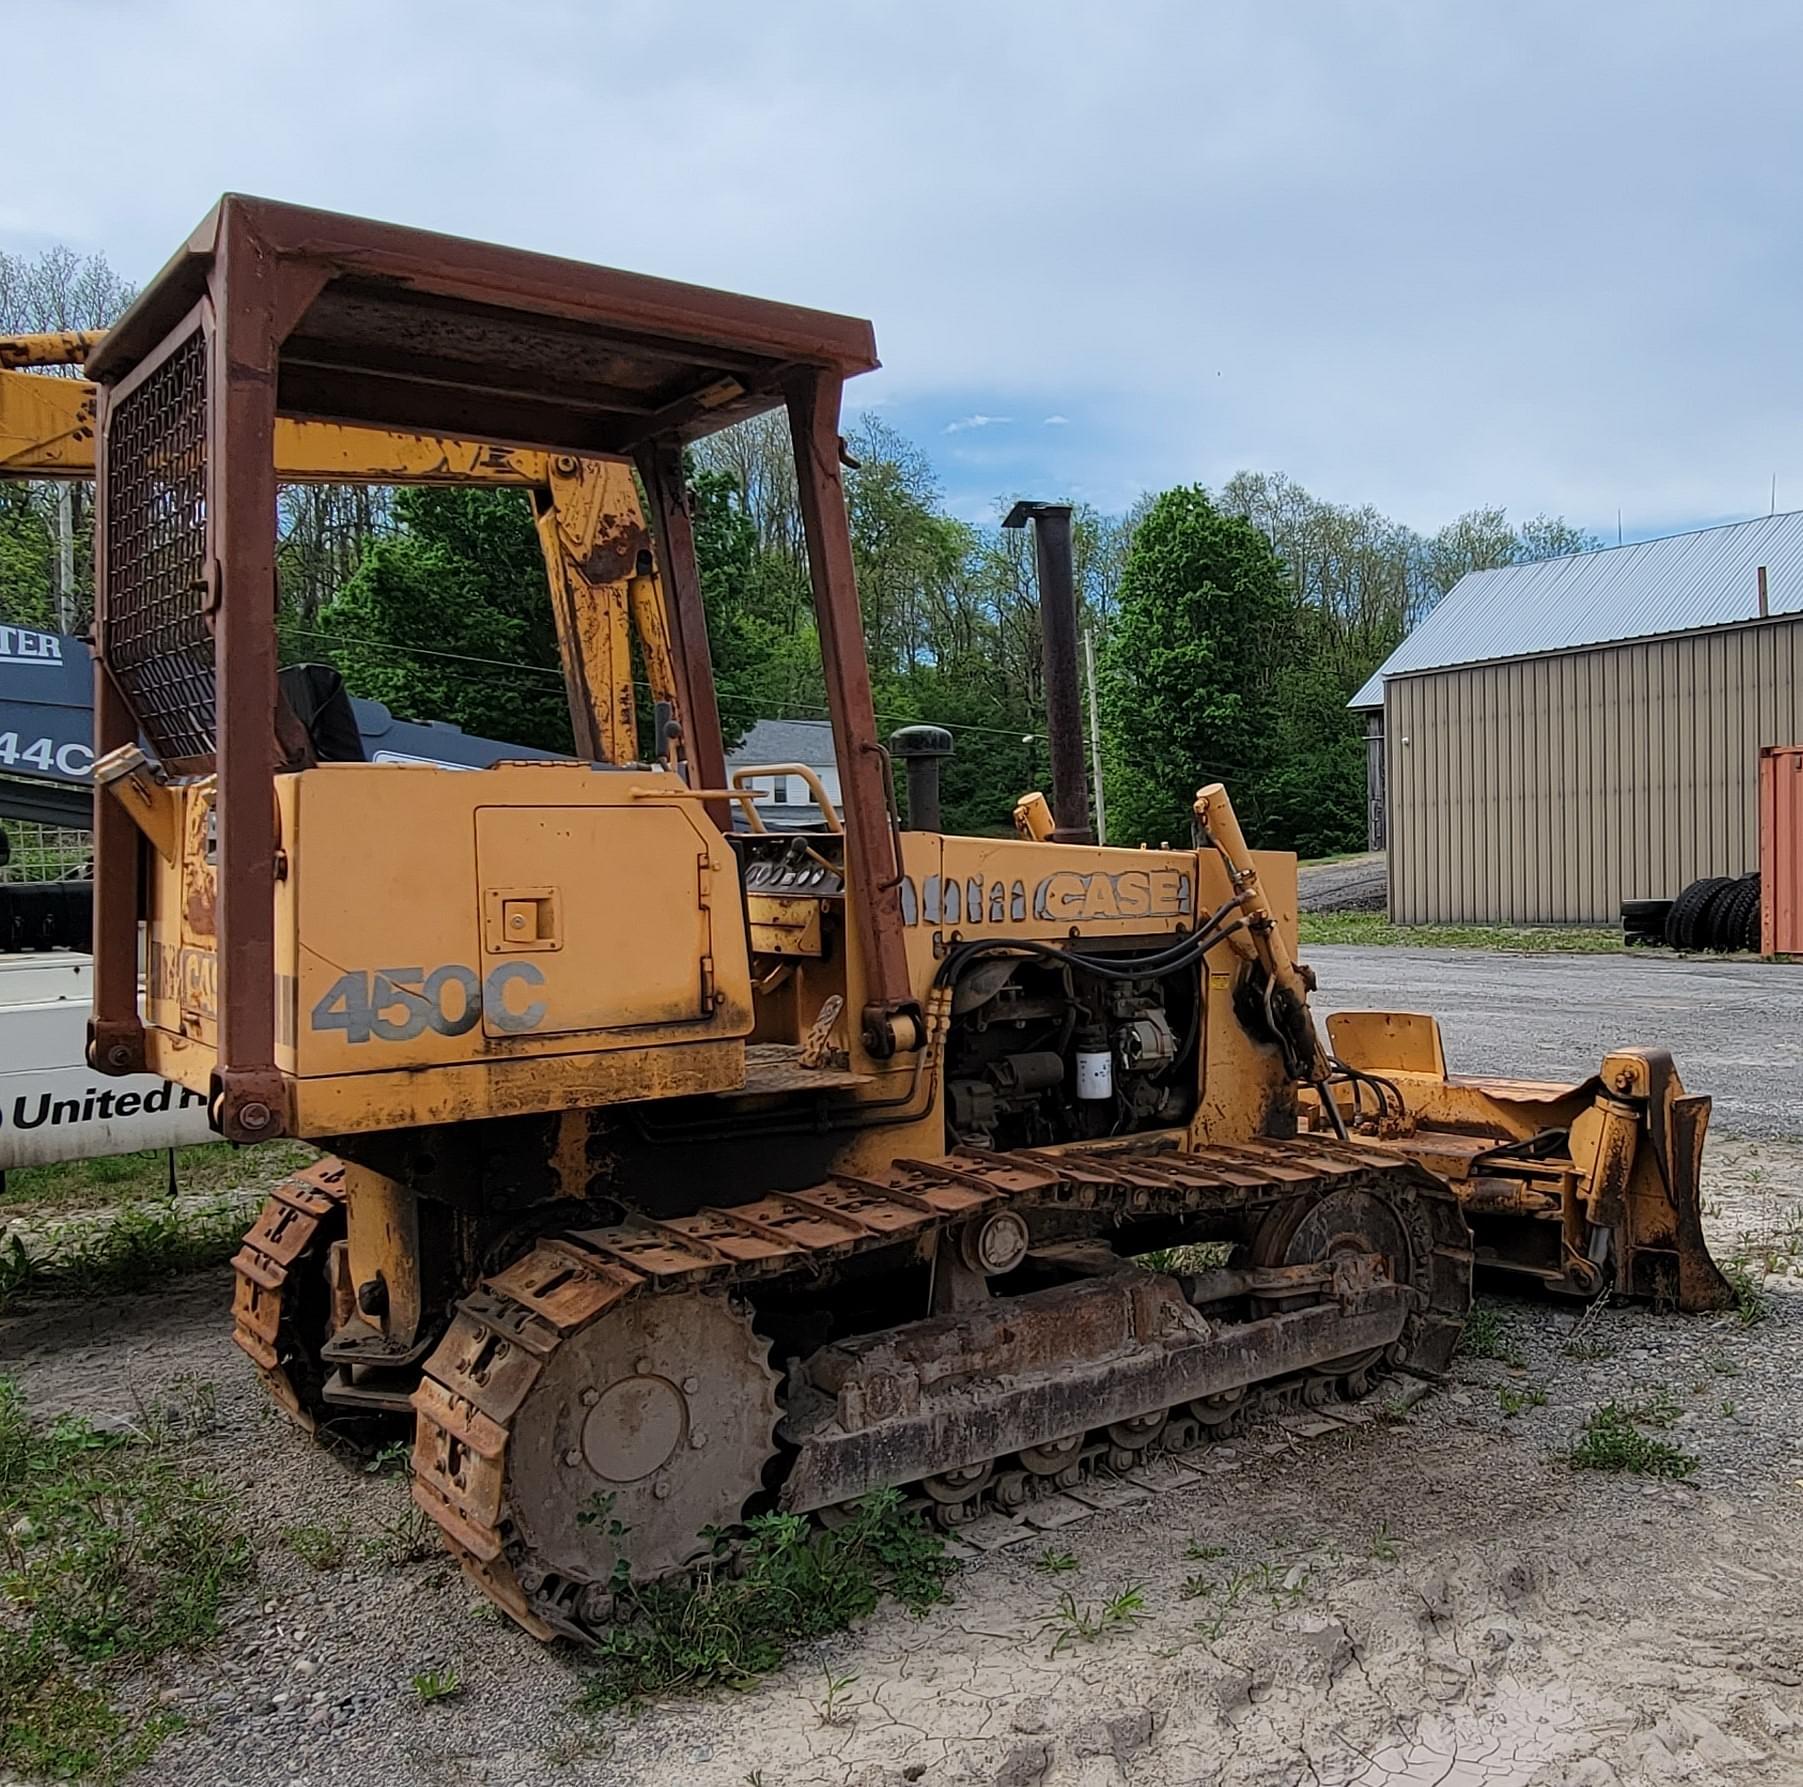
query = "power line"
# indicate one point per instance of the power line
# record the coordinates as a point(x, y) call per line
point(812, 711)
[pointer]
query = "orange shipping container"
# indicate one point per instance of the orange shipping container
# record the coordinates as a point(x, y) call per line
point(1781, 849)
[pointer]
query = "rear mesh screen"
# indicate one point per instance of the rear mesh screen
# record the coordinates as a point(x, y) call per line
point(155, 638)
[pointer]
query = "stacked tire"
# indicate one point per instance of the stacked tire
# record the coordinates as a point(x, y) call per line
point(1719, 912)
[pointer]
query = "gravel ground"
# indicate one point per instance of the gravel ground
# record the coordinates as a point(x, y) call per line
point(1353, 884)
point(1735, 1028)
point(1392, 1598)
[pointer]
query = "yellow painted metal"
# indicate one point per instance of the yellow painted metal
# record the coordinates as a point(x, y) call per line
point(391, 971)
point(127, 776)
point(1033, 817)
point(762, 772)
point(596, 548)
point(59, 347)
point(784, 926)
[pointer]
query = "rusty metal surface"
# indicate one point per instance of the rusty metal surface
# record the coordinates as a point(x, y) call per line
point(661, 471)
point(272, 1303)
point(1058, 637)
point(449, 323)
point(1781, 850)
point(568, 1291)
point(872, 867)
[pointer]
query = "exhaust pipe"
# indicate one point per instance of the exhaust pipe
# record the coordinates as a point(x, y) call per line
point(1063, 692)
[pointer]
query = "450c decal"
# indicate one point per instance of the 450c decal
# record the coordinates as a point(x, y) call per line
point(398, 1004)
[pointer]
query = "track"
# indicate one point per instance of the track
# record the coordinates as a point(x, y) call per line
point(475, 1405)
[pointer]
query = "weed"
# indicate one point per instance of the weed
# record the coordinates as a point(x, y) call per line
point(1056, 1563)
point(1728, 1409)
point(1485, 1338)
point(391, 1459)
point(1720, 1363)
point(1195, 1587)
point(1383, 1545)
point(1231, 1595)
point(324, 1547)
point(438, 1684)
point(1660, 1409)
point(1512, 1399)
point(1073, 1624)
point(109, 1555)
point(1590, 1351)
point(1751, 1303)
point(832, 1709)
point(409, 1538)
point(734, 1619)
point(1203, 1554)
point(1611, 1442)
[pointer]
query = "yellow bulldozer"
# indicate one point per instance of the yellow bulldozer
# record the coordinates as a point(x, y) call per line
point(682, 1168)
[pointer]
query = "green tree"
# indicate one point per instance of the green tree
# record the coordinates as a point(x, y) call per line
point(27, 560)
point(449, 618)
point(1189, 671)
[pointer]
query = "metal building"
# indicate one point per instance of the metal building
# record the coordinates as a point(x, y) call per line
point(1557, 737)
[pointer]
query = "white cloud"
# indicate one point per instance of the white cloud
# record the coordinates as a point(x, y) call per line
point(1056, 422)
point(965, 423)
point(1404, 253)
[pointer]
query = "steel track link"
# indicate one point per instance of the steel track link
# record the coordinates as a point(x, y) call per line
point(505, 1331)
point(303, 1215)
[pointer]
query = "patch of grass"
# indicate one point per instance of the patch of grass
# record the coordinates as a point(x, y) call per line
point(1056, 1563)
point(1384, 1549)
point(1612, 1442)
point(437, 1684)
point(1588, 1350)
point(1512, 1399)
point(1486, 1338)
point(1728, 1409)
point(323, 1547)
point(1375, 928)
point(1751, 1302)
point(1203, 1554)
point(206, 1167)
point(1070, 1623)
point(731, 1622)
point(140, 1245)
point(111, 1555)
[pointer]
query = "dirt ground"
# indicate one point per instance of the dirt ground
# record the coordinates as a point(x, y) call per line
point(1430, 1597)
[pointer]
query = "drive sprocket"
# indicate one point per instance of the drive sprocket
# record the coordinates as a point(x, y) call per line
point(643, 1433)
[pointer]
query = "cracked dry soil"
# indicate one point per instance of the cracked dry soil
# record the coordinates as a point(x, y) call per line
point(1430, 1597)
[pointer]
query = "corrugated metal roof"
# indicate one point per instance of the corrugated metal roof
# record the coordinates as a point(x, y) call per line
point(1705, 579)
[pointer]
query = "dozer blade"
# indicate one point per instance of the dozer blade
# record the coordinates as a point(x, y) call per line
point(1584, 1188)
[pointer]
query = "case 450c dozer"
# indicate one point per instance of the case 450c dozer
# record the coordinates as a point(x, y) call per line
point(683, 1168)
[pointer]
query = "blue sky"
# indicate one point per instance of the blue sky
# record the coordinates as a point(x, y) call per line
point(1425, 256)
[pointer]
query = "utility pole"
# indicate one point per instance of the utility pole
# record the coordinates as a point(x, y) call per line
point(1095, 731)
point(65, 556)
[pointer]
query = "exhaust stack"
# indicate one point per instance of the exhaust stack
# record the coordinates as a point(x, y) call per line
point(1063, 693)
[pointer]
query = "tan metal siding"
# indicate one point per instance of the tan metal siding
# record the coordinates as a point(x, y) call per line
point(1547, 790)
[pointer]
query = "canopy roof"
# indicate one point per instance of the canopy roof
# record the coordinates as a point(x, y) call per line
point(407, 329)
